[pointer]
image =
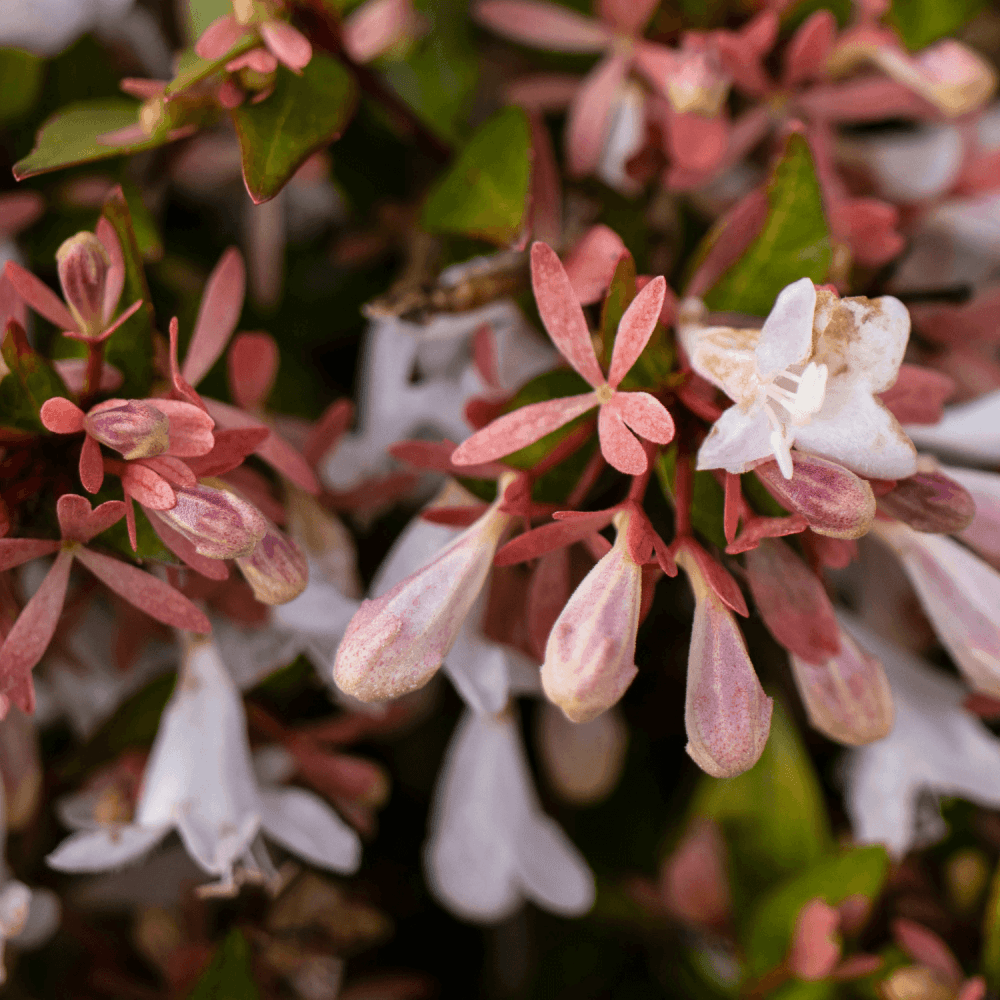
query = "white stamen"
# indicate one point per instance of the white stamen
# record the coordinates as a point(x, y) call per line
point(779, 445)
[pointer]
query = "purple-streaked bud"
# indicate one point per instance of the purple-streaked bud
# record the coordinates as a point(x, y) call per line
point(220, 524)
point(726, 713)
point(132, 427)
point(930, 501)
point(848, 697)
point(83, 266)
point(397, 642)
point(276, 569)
point(590, 655)
point(834, 501)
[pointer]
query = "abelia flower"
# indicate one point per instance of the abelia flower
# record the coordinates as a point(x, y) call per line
point(199, 780)
point(490, 846)
point(281, 42)
point(275, 568)
point(590, 651)
point(396, 642)
point(35, 626)
point(619, 412)
point(810, 378)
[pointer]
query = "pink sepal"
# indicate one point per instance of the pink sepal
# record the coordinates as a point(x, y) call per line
point(925, 947)
point(287, 44)
point(114, 282)
point(18, 210)
point(635, 329)
point(546, 221)
point(755, 529)
point(253, 365)
point(173, 470)
point(718, 579)
point(591, 264)
point(544, 25)
point(697, 142)
point(39, 296)
point(694, 878)
point(590, 114)
point(231, 447)
point(973, 988)
point(572, 527)
point(181, 387)
point(141, 87)
point(456, 517)
point(219, 37)
point(61, 416)
point(618, 445)
point(190, 433)
point(918, 395)
point(218, 314)
point(435, 456)
point(16, 551)
point(328, 430)
point(146, 592)
point(544, 92)
point(808, 48)
point(857, 967)
point(548, 592)
point(260, 60)
point(645, 414)
point(91, 465)
point(79, 523)
point(147, 486)
point(73, 372)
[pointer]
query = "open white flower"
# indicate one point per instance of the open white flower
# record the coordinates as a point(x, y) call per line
point(809, 378)
point(200, 781)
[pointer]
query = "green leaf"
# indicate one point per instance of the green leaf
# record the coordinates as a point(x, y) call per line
point(20, 83)
point(147, 235)
point(794, 243)
point(199, 14)
point(860, 871)
point(921, 22)
point(304, 114)
point(38, 380)
point(70, 136)
point(485, 193)
point(193, 69)
point(990, 960)
point(130, 347)
point(707, 497)
point(774, 815)
point(621, 292)
point(230, 976)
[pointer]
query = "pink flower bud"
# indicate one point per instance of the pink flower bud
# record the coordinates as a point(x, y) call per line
point(215, 520)
point(396, 642)
point(848, 697)
point(930, 501)
point(132, 427)
point(815, 949)
point(589, 658)
point(83, 266)
point(726, 713)
point(276, 569)
point(695, 880)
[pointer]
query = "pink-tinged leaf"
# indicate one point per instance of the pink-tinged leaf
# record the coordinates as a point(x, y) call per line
point(549, 537)
point(218, 314)
point(173, 470)
point(697, 142)
point(78, 523)
point(520, 428)
point(694, 879)
point(925, 947)
point(793, 602)
point(61, 416)
point(561, 313)
point(328, 430)
point(805, 57)
point(930, 501)
point(91, 465)
point(253, 366)
point(148, 487)
point(17, 689)
point(618, 444)
point(190, 433)
point(918, 395)
point(543, 25)
point(219, 37)
point(213, 569)
point(288, 44)
point(32, 632)
point(626, 16)
point(815, 949)
point(39, 296)
point(456, 517)
point(146, 592)
point(114, 282)
point(590, 114)
point(15, 551)
point(591, 264)
point(231, 448)
point(635, 329)
point(546, 188)
point(645, 414)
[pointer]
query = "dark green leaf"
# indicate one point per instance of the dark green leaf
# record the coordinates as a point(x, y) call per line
point(484, 194)
point(201, 13)
point(990, 960)
point(921, 22)
point(20, 83)
point(70, 136)
point(147, 236)
point(230, 976)
point(794, 243)
point(305, 113)
point(37, 378)
point(130, 347)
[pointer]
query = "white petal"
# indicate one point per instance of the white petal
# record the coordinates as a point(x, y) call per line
point(320, 609)
point(554, 873)
point(969, 430)
point(786, 337)
point(96, 850)
point(736, 441)
point(44, 912)
point(304, 824)
point(216, 846)
point(15, 902)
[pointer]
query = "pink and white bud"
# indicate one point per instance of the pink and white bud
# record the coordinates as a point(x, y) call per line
point(397, 642)
point(930, 501)
point(220, 524)
point(590, 655)
point(83, 265)
point(948, 74)
point(726, 713)
point(132, 427)
point(848, 697)
point(276, 569)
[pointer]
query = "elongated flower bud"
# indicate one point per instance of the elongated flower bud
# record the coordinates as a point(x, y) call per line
point(848, 697)
point(276, 569)
point(695, 877)
point(726, 713)
point(132, 427)
point(397, 642)
point(83, 265)
point(215, 520)
point(589, 658)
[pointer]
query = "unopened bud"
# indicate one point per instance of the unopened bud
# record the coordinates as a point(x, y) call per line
point(132, 427)
point(153, 116)
point(276, 569)
point(215, 520)
point(83, 265)
point(590, 654)
point(815, 948)
point(848, 697)
point(726, 713)
point(695, 879)
point(699, 86)
point(951, 76)
point(930, 501)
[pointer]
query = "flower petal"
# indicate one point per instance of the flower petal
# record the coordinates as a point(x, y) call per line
point(91, 465)
point(787, 334)
point(590, 114)
point(219, 37)
point(645, 414)
point(190, 432)
point(79, 523)
point(39, 296)
point(287, 44)
point(543, 25)
point(218, 314)
point(591, 264)
point(618, 444)
point(108, 847)
point(635, 329)
point(737, 440)
point(626, 16)
point(304, 824)
point(16, 551)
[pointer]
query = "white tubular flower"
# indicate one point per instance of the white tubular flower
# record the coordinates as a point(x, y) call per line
point(810, 377)
point(960, 595)
point(200, 781)
point(935, 747)
point(969, 430)
point(491, 848)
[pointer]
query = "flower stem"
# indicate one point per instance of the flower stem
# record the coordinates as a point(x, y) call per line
point(92, 375)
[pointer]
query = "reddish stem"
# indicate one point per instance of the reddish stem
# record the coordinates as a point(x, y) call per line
point(683, 494)
point(92, 376)
point(733, 506)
